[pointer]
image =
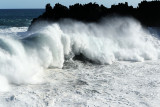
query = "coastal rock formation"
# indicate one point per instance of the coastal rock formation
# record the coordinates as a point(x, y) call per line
point(147, 12)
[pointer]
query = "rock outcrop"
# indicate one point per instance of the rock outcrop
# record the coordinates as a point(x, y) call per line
point(147, 12)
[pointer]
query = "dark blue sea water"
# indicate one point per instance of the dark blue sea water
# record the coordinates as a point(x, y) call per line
point(18, 17)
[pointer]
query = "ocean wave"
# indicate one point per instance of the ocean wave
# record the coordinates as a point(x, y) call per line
point(108, 41)
point(49, 45)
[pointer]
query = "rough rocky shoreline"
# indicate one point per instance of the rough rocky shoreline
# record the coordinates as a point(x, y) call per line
point(146, 12)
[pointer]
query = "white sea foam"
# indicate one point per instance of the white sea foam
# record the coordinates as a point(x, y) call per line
point(4, 86)
point(22, 59)
point(106, 42)
point(15, 64)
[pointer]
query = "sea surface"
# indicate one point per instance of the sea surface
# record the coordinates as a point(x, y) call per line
point(18, 17)
point(120, 65)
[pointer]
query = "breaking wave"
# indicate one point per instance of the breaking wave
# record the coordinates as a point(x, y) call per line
point(24, 56)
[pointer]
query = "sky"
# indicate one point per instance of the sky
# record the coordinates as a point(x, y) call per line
point(19, 4)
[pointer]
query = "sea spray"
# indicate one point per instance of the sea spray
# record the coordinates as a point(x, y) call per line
point(111, 40)
point(48, 45)
point(16, 65)
point(108, 41)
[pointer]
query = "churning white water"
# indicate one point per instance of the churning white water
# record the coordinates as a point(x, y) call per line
point(26, 55)
point(106, 42)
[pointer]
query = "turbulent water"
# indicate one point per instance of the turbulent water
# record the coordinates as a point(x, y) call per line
point(37, 66)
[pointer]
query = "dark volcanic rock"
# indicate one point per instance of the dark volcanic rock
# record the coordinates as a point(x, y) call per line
point(146, 12)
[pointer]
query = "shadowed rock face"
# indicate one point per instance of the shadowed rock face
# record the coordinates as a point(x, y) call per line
point(146, 12)
point(84, 59)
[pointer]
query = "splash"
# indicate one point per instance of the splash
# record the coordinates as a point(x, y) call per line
point(108, 41)
point(48, 45)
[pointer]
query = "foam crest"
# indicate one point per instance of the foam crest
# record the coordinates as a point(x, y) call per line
point(111, 40)
point(16, 65)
